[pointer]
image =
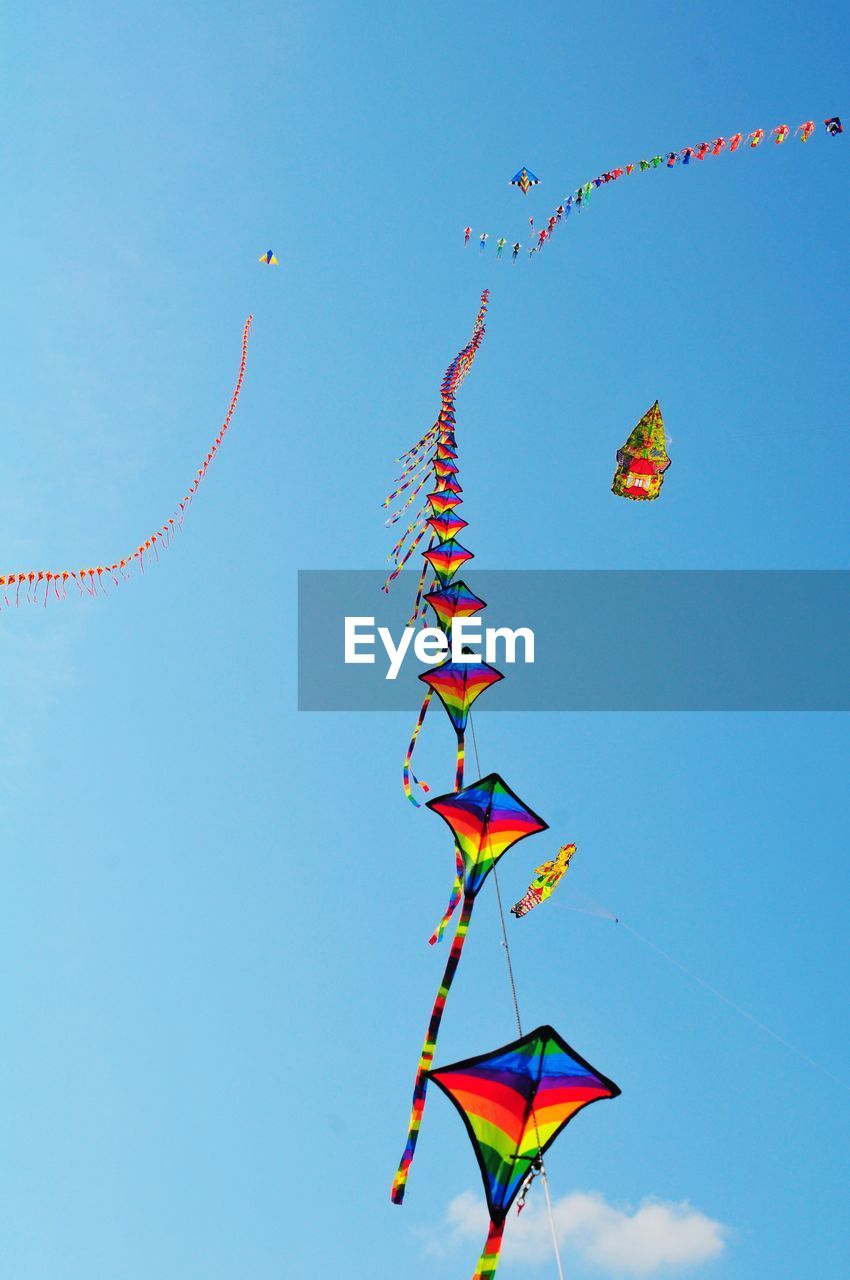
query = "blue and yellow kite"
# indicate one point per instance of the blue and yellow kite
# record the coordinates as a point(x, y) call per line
point(524, 179)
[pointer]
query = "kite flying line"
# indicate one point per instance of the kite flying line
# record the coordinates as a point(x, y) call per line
point(91, 579)
point(581, 197)
point(604, 914)
point(540, 1165)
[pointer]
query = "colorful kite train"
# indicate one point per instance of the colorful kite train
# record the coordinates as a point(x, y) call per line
point(579, 198)
point(433, 460)
point(92, 579)
point(516, 1100)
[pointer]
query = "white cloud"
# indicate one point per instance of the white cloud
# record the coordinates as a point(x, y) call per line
point(615, 1241)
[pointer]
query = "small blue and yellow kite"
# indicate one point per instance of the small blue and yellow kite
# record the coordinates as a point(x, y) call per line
point(524, 179)
point(268, 259)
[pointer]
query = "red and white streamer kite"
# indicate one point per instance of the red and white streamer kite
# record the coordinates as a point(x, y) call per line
point(35, 585)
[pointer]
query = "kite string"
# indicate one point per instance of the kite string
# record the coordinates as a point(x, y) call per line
point(743, 1012)
point(505, 943)
point(550, 1213)
point(506, 946)
point(605, 914)
point(507, 949)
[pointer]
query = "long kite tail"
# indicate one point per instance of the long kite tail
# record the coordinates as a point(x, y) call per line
point(89, 579)
point(489, 1260)
point(457, 887)
point(454, 899)
point(421, 1083)
point(407, 771)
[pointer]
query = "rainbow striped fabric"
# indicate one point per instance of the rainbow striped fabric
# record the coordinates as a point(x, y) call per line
point(446, 558)
point(514, 1102)
point(440, 501)
point(447, 525)
point(487, 818)
point(458, 684)
point(420, 1085)
point(454, 601)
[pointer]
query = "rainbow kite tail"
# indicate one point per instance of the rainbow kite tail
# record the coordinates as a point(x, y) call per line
point(460, 761)
point(454, 899)
point(489, 1260)
point(427, 1057)
point(411, 622)
point(407, 772)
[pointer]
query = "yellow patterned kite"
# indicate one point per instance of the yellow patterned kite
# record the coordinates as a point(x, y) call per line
point(546, 880)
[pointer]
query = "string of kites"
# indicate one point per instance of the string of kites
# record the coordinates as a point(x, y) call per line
point(516, 1099)
point(581, 197)
point(37, 584)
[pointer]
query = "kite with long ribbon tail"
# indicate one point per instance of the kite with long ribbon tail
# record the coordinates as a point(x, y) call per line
point(514, 1102)
point(486, 818)
point(433, 460)
point(91, 579)
point(536, 1084)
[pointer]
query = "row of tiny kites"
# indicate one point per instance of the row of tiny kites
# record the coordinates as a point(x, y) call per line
point(524, 179)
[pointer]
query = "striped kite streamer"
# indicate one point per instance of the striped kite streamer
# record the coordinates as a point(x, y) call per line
point(433, 458)
point(489, 1260)
point(419, 467)
point(454, 898)
point(427, 1056)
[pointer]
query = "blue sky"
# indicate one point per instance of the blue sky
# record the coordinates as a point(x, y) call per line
point(213, 908)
